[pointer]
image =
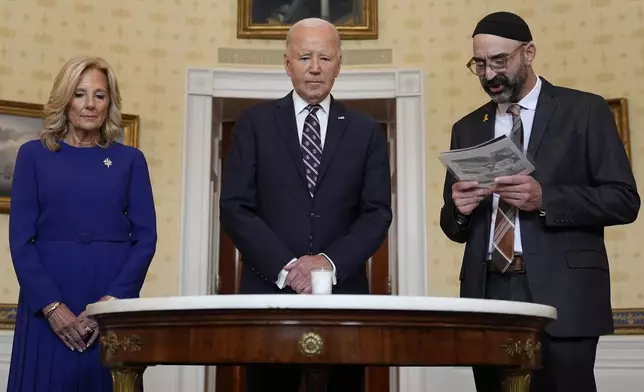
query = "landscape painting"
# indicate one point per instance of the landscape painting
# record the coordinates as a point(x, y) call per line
point(14, 131)
point(21, 122)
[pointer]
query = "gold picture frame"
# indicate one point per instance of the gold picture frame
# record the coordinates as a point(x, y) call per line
point(629, 321)
point(619, 108)
point(354, 19)
point(22, 121)
point(8, 316)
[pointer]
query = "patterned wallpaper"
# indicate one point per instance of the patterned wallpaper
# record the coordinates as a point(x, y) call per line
point(596, 45)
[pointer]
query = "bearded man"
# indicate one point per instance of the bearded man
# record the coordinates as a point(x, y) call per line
point(540, 237)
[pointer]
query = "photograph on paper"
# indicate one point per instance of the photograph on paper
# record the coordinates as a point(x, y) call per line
point(483, 163)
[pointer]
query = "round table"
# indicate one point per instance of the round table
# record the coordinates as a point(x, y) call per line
point(320, 330)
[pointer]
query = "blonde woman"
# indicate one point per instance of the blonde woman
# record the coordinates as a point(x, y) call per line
point(82, 229)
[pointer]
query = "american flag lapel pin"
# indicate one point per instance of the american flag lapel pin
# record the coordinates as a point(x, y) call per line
point(340, 117)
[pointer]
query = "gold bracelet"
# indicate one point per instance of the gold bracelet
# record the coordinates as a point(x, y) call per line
point(51, 310)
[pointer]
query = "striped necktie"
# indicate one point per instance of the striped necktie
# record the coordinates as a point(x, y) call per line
point(503, 252)
point(312, 147)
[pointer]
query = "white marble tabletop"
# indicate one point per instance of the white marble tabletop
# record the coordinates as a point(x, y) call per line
point(341, 302)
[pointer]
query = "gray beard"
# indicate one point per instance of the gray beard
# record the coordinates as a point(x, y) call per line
point(512, 95)
point(504, 97)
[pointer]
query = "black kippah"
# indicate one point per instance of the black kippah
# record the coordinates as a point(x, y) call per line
point(504, 24)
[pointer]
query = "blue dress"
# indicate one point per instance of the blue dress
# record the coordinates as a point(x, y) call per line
point(82, 225)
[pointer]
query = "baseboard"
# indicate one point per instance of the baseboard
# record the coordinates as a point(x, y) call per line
point(620, 352)
point(620, 363)
point(6, 340)
point(156, 378)
point(619, 367)
point(162, 378)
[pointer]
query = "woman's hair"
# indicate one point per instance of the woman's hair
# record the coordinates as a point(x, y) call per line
point(62, 92)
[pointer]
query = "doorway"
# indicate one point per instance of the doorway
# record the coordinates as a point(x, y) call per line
point(225, 259)
point(199, 236)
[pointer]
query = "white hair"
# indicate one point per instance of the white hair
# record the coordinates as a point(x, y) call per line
point(311, 22)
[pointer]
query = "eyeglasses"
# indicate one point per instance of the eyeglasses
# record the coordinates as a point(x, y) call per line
point(497, 64)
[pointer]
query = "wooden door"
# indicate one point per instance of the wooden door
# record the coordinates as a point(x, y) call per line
point(231, 378)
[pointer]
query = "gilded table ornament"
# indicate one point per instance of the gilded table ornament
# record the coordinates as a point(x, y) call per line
point(127, 379)
point(311, 344)
point(112, 343)
point(529, 348)
point(516, 382)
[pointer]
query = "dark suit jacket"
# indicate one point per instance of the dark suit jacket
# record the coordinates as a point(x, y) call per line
point(266, 208)
point(587, 184)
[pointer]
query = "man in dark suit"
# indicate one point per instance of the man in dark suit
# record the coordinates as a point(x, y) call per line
point(545, 230)
point(306, 186)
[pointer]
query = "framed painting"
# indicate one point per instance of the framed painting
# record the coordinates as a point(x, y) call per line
point(619, 108)
point(21, 122)
point(130, 130)
point(271, 19)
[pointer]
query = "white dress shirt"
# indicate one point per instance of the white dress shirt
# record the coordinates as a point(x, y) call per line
point(503, 126)
point(301, 113)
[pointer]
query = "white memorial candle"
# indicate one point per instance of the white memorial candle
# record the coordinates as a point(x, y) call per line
point(321, 281)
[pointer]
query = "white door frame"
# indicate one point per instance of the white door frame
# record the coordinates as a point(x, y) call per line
point(202, 85)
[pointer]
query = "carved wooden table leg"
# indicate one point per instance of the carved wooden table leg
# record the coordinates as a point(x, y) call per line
point(516, 380)
point(128, 379)
point(316, 378)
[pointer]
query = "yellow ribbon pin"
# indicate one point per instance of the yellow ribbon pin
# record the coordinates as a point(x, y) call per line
point(485, 118)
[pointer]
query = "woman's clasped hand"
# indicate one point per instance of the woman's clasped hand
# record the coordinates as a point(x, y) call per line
point(76, 332)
